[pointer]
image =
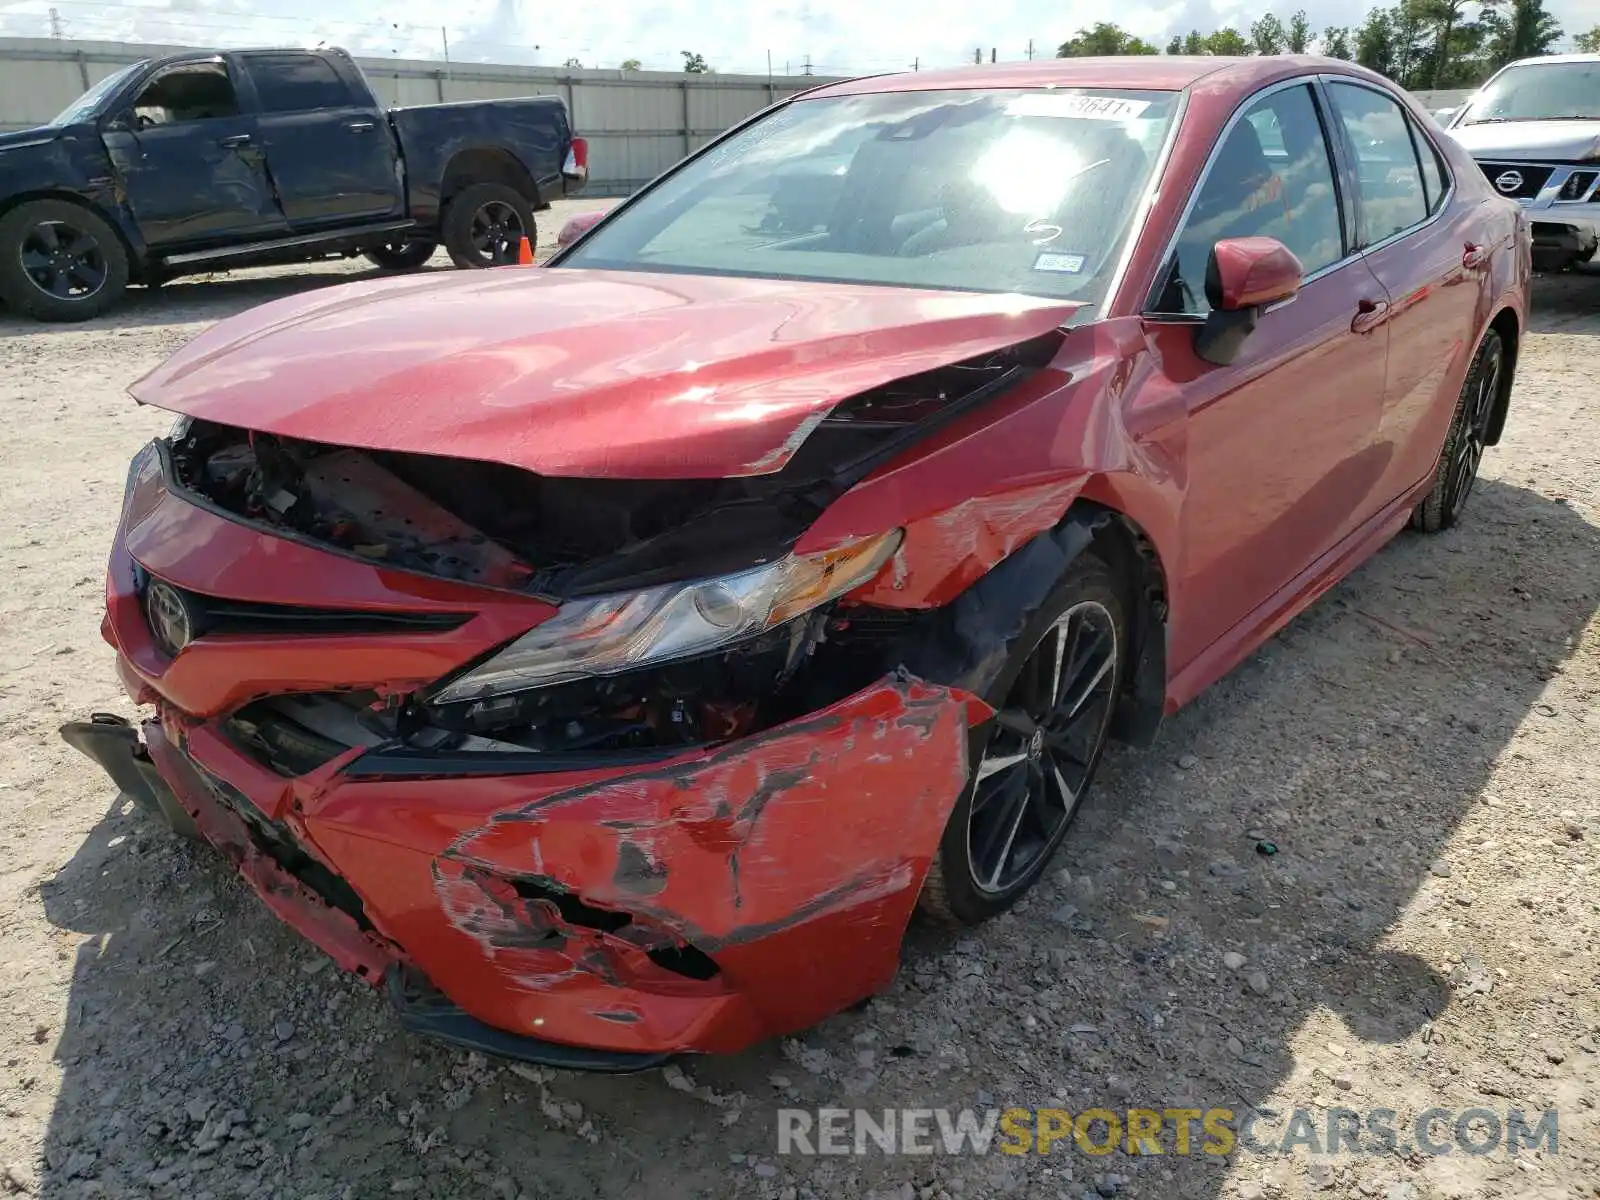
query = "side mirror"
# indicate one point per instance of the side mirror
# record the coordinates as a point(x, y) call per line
point(1245, 277)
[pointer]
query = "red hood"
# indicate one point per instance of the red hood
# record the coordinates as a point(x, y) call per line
point(575, 372)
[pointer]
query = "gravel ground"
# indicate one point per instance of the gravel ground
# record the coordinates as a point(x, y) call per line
point(1421, 748)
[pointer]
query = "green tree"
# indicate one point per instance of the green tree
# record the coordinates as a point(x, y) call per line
point(1441, 18)
point(1105, 38)
point(1297, 38)
point(1518, 29)
point(1375, 43)
point(631, 64)
point(694, 64)
point(1267, 35)
point(1195, 43)
point(1227, 42)
point(1336, 42)
point(1175, 46)
point(1588, 43)
point(572, 62)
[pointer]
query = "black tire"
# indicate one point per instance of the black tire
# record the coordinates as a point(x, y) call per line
point(953, 893)
point(402, 255)
point(60, 261)
point(484, 223)
point(1464, 441)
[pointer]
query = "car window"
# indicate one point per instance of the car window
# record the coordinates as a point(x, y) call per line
point(1272, 177)
point(1435, 175)
point(193, 92)
point(296, 82)
point(1539, 91)
point(1391, 196)
point(1009, 190)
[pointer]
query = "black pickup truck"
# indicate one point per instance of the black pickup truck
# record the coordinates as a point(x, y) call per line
point(206, 160)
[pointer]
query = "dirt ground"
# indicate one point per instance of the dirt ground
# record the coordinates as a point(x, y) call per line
point(1422, 748)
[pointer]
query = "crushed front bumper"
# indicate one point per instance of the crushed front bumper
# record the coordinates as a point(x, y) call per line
point(603, 918)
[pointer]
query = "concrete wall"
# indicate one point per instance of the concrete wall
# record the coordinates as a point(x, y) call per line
point(638, 122)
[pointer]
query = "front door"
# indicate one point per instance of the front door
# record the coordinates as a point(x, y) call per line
point(187, 162)
point(1280, 454)
point(330, 150)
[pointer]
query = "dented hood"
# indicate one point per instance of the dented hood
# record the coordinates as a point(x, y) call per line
point(577, 372)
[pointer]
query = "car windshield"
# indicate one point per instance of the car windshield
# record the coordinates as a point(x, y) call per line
point(81, 108)
point(989, 191)
point(1539, 92)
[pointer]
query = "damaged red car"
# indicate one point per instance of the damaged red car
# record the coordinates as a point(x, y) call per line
point(607, 658)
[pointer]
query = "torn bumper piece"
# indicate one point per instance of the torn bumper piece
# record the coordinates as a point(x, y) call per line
point(602, 919)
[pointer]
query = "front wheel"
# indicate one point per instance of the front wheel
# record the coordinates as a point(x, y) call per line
point(1053, 707)
point(402, 255)
point(1465, 440)
point(484, 225)
point(60, 261)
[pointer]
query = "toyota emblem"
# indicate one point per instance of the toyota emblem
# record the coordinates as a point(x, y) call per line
point(1508, 181)
point(168, 614)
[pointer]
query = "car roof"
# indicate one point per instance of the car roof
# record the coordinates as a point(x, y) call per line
point(1555, 58)
point(1154, 72)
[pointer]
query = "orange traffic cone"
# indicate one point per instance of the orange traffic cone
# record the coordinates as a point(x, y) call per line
point(524, 253)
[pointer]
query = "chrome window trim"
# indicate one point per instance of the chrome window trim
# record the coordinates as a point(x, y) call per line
point(1405, 111)
point(1318, 82)
point(1149, 308)
point(1147, 200)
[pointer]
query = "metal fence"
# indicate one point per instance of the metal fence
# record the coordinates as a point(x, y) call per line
point(638, 122)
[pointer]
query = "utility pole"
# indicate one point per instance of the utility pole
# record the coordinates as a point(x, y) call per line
point(55, 23)
point(808, 64)
point(916, 63)
point(444, 36)
point(992, 54)
point(1030, 49)
point(977, 56)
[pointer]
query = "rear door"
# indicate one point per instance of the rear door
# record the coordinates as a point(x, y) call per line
point(187, 160)
point(329, 149)
point(1280, 443)
point(1430, 255)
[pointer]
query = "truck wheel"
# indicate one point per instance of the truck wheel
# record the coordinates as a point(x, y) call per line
point(484, 224)
point(60, 262)
point(402, 255)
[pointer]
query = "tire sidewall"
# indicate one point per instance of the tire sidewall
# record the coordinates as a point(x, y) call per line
point(22, 294)
point(411, 258)
point(1086, 578)
point(1437, 511)
point(456, 228)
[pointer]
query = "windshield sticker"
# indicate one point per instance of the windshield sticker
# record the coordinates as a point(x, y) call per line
point(1059, 104)
point(1062, 264)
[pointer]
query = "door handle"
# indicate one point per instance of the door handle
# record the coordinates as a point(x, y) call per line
point(1369, 315)
point(1474, 256)
point(361, 126)
point(234, 140)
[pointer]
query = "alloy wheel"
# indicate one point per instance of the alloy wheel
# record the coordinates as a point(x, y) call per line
point(1475, 417)
point(497, 231)
point(1046, 740)
point(63, 261)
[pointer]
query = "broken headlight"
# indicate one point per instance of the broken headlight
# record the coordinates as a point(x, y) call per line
point(615, 634)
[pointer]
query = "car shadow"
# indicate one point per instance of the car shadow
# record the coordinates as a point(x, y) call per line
point(195, 299)
point(1566, 303)
point(205, 1044)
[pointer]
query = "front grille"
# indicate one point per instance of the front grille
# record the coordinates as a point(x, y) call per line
point(218, 615)
point(1578, 185)
point(1520, 181)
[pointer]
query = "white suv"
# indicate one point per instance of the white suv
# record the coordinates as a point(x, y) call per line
point(1534, 129)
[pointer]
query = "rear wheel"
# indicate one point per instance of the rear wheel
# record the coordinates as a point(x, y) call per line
point(1465, 440)
point(402, 255)
point(60, 261)
point(1054, 703)
point(484, 225)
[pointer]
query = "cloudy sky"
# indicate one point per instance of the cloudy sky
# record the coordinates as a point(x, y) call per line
point(839, 36)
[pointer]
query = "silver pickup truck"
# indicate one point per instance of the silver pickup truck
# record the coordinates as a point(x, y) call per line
point(1534, 129)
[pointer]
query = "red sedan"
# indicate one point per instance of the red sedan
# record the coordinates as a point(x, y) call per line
point(607, 658)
